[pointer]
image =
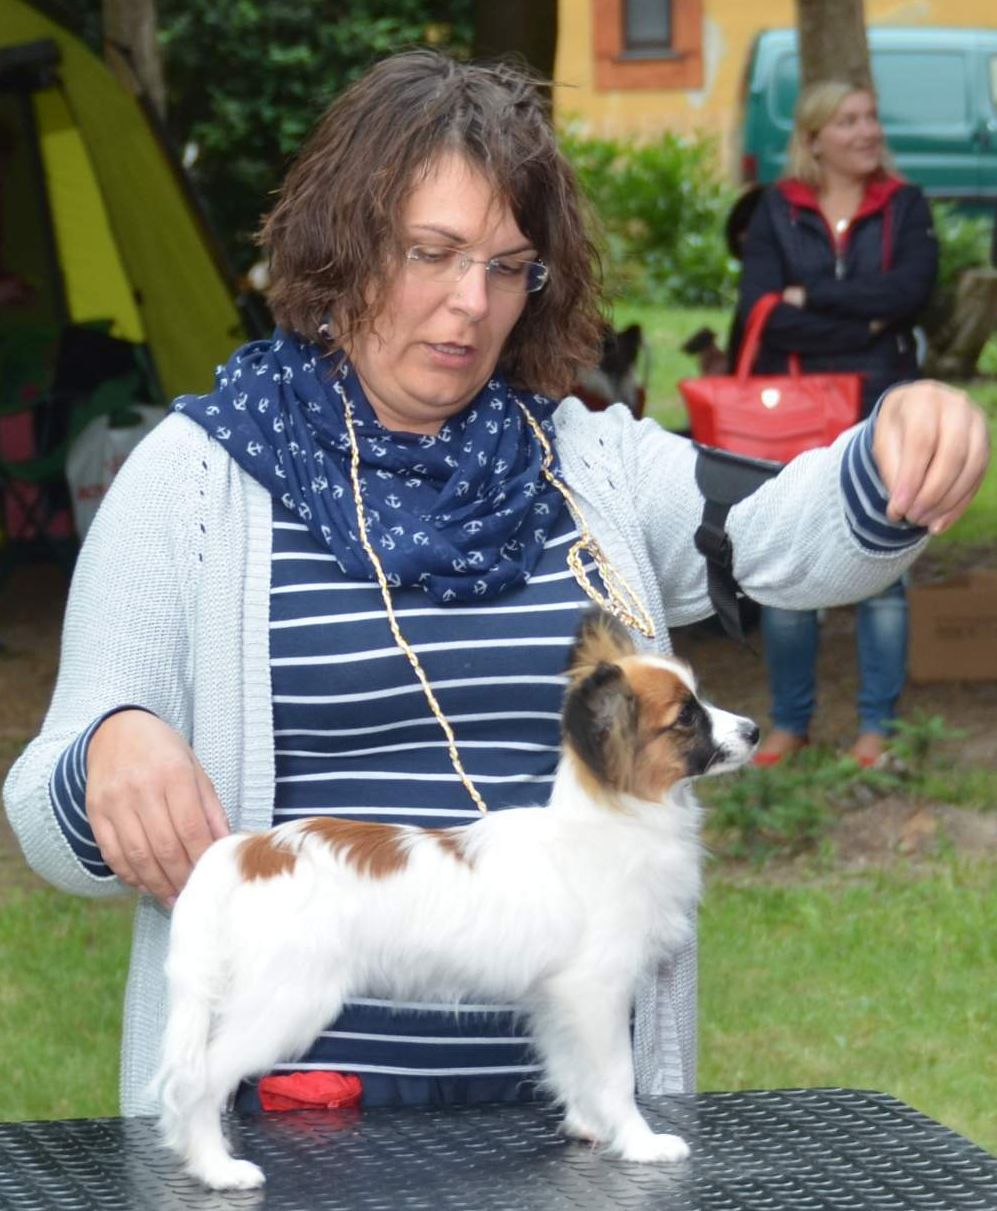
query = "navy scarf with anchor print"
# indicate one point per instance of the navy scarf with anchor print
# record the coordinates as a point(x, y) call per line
point(463, 514)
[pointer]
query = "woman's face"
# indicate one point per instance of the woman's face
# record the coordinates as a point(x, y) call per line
point(434, 345)
point(851, 143)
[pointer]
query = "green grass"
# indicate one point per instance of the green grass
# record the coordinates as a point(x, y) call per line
point(883, 982)
point(665, 330)
point(64, 962)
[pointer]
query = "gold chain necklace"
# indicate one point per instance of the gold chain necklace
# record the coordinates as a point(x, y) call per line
point(621, 601)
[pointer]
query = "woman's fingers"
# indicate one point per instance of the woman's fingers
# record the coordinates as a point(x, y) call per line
point(974, 458)
point(152, 808)
point(186, 830)
point(106, 836)
point(932, 448)
point(214, 813)
point(134, 851)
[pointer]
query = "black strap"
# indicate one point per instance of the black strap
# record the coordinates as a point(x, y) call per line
point(724, 479)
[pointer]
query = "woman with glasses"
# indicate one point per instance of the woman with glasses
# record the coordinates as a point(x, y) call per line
point(347, 580)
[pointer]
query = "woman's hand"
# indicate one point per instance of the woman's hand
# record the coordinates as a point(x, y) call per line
point(931, 446)
point(795, 296)
point(151, 806)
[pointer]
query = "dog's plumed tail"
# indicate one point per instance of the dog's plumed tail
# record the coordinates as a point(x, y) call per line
point(196, 981)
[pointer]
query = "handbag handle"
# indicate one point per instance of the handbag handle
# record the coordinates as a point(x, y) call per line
point(757, 319)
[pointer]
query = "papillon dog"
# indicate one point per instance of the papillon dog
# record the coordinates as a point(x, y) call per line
point(558, 909)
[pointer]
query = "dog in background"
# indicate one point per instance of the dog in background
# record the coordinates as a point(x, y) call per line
point(614, 380)
point(559, 908)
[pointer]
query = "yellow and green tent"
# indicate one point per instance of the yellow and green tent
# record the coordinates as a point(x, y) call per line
point(95, 213)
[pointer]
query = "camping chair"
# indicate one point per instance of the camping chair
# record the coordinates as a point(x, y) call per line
point(94, 375)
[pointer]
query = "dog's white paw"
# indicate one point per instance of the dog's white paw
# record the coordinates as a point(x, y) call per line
point(230, 1175)
point(651, 1149)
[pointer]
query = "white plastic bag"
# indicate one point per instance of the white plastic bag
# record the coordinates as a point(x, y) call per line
point(96, 456)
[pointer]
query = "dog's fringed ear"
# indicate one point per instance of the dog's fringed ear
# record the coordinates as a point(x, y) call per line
point(601, 639)
point(600, 724)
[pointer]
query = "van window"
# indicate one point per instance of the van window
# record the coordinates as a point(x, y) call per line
point(903, 98)
point(900, 77)
point(993, 81)
point(785, 86)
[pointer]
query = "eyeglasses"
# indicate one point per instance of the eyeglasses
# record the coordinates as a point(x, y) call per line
point(435, 263)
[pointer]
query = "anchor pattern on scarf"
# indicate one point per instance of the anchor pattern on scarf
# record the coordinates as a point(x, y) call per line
point(463, 513)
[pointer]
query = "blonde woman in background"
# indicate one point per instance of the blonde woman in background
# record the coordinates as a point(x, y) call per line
point(851, 248)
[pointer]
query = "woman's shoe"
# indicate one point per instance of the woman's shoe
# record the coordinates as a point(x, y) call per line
point(869, 750)
point(778, 745)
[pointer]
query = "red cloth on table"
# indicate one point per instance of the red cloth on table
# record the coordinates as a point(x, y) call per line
point(310, 1091)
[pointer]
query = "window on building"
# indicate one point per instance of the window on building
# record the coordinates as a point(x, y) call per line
point(648, 44)
point(647, 28)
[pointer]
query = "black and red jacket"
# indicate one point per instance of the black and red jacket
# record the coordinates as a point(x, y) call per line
point(883, 268)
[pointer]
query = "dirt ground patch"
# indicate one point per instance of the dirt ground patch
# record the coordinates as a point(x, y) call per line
point(32, 602)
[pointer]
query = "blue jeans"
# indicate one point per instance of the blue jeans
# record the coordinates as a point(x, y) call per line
point(791, 639)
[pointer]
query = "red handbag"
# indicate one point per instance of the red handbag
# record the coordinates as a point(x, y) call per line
point(773, 416)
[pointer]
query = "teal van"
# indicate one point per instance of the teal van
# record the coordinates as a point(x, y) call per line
point(937, 91)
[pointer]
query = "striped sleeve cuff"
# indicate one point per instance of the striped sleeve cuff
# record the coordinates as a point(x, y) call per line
point(67, 791)
point(865, 498)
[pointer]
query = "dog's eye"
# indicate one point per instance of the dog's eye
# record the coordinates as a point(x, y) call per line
point(685, 718)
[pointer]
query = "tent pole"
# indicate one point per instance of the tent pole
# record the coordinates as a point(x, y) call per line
point(30, 126)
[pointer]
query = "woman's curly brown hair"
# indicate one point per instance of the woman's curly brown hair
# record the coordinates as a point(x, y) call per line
point(334, 236)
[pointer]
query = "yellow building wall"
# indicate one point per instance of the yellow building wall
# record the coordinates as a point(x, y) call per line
point(728, 29)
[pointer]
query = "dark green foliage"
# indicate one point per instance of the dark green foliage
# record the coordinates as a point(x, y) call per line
point(661, 206)
point(963, 242)
point(248, 79)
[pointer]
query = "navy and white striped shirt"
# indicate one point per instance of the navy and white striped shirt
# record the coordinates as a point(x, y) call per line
point(355, 737)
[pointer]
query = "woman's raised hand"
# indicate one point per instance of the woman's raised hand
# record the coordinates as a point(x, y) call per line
point(932, 448)
point(151, 806)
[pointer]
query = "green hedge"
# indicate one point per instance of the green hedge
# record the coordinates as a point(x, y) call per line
point(659, 209)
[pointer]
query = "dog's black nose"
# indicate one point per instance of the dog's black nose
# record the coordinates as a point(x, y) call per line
point(753, 733)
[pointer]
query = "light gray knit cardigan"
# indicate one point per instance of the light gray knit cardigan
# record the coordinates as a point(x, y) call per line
point(169, 609)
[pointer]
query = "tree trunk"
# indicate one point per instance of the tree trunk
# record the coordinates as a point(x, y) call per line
point(131, 48)
point(833, 44)
point(955, 346)
point(525, 27)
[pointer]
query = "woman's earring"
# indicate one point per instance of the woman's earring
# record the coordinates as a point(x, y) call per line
point(324, 331)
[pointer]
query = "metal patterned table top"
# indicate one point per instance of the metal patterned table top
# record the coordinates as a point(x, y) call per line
point(773, 1151)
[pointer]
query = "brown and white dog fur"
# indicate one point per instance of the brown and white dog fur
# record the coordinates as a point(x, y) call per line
point(558, 908)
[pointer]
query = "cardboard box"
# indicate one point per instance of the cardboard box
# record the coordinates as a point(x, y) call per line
point(953, 629)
